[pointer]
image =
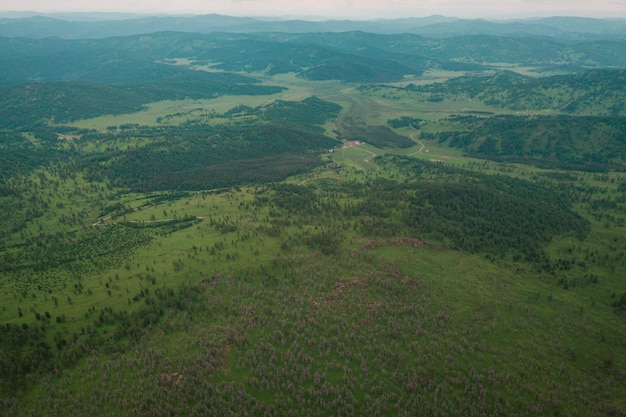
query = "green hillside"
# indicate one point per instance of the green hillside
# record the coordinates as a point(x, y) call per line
point(583, 143)
point(596, 92)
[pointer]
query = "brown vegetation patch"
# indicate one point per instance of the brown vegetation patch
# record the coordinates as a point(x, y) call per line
point(226, 365)
point(68, 138)
point(371, 244)
point(170, 380)
point(338, 289)
point(406, 241)
point(342, 285)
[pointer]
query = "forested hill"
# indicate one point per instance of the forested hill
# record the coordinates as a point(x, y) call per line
point(348, 56)
point(481, 48)
point(579, 143)
point(595, 92)
point(62, 102)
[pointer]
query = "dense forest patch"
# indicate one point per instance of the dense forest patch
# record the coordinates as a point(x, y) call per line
point(64, 102)
point(378, 136)
point(584, 143)
point(493, 215)
point(309, 112)
point(21, 155)
point(208, 157)
point(593, 92)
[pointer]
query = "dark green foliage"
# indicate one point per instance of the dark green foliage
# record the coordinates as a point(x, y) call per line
point(240, 109)
point(405, 121)
point(73, 61)
point(119, 61)
point(117, 209)
point(19, 155)
point(584, 143)
point(530, 51)
point(379, 136)
point(358, 70)
point(594, 92)
point(327, 241)
point(207, 158)
point(24, 351)
point(495, 215)
point(491, 214)
point(619, 306)
point(165, 226)
point(164, 197)
point(294, 198)
point(24, 105)
point(17, 213)
point(278, 54)
point(473, 51)
point(222, 174)
point(311, 111)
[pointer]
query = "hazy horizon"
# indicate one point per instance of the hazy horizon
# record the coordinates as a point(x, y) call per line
point(332, 9)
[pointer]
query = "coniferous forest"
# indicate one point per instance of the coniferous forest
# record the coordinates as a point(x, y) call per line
point(322, 223)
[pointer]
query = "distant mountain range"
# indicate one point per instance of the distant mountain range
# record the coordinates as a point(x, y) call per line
point(90, 25)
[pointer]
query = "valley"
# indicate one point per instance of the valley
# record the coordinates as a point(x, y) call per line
point(329, 235)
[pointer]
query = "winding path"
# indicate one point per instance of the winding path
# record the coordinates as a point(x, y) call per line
point(369, 158)
point(419, 142)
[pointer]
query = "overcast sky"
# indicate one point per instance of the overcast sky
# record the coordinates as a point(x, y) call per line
point(336, 8)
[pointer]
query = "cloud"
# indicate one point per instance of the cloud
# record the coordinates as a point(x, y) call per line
point(337, 8)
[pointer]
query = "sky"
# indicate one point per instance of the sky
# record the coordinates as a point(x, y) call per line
point(356, 9)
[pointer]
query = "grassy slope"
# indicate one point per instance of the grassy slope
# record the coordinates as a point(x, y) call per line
point(390, 312)
point(453, 321)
